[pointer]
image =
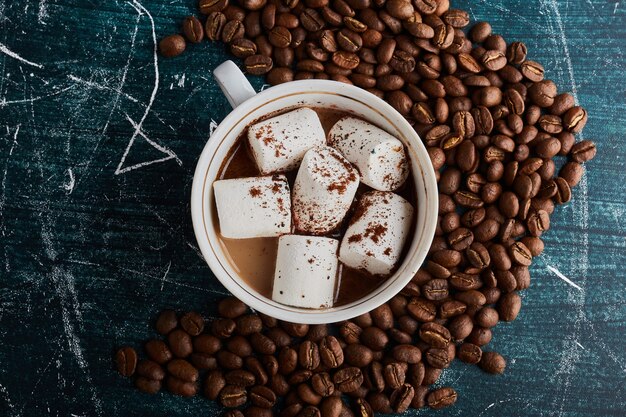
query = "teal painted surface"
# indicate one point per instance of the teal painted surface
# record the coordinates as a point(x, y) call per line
point(88, 256)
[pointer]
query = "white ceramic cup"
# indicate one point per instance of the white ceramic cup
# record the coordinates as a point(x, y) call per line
point(249, 106)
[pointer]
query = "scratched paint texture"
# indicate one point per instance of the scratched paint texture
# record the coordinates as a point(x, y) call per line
point(98, 143)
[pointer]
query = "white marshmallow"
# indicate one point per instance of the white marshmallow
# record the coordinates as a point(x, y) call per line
point(377, 233)
point(306, 271)
point(323, 190)
point(253, 207)
point(278, 144)
point(379, 156)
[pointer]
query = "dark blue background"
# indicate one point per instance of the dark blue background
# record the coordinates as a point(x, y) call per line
point(93, 243)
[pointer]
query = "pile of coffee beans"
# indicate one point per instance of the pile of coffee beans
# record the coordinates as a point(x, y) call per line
point(382, 361)
point(495, 130)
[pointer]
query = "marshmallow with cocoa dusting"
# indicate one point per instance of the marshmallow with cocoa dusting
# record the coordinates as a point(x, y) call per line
point(323, 190)
point(306, 271)
point(379, 156)
point(377, 233)
point(253, 207)
point(279, 144)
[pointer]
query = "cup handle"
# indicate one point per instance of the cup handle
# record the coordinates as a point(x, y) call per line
point(233, 83)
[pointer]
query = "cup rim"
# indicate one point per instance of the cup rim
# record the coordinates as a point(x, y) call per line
point(383, 293)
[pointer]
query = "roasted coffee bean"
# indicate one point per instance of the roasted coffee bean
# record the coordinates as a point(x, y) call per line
point(213, 384)
point(209, 6)
point(401, 398)
point(254, 411)
point(279, 75)
point(382, 317)
point(431, 375)
point(179, 387)
point(240, 377)
point(309, 411)
point(451, 309)
point(262, 344)
point(182, 370)
point(311, 20)
point(308, 355)
point(492, 362)
point(172, 46)
point(348, 379)
point(243, 48)
point(583, 151)
point(126, 361)
point(346, 60)
point(192, 323)
point(349, 41)
point(279, 37)
point(470, 353)
point(323, 384)
point(239, 345)
point(233, 396)
point(149, 386)
point(538, 222)
point(374, 338)
point(150, 370)
point(435, 335)
point(228, 360)
point(166, 322)
point(460, 326)
point(232, 30)
point(193, 30)
point(307, 395)
point(331, 407)
point(493, 60)
point(437, 358)
point(436, 289)
point(394, 375)
point(214, 25)
point(203, 361)
point(441, 398)
point(358, 355)
point(406, 353)
point(159, 352)
point(575, 119)
point(572, 172)
point(279, 385)
point(258, 64)
point(223, 328)
point(422, 310)
point(350, 332)
point(331, 353)
point(509, 306)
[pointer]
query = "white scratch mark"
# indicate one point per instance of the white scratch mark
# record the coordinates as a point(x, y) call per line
point(124, 73)
point(12, 54)
point(581, 346)
point(140, 9)
point(167, 271)
point(212, 127)
point(170, 154)
point(98, 86)
point(264, 86)
point(181, 81)
point(563, 277)
point(4, 391)
point(17, 130)
point(42, 14)
point(196, 250)
point(568, 57)
point(69, 186)
point(616, 6)
point(4, 102)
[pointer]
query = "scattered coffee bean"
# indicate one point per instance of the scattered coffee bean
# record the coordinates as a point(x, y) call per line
point(441, 398)
point(126, 361)
point(172, 46)
point(492, 362)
